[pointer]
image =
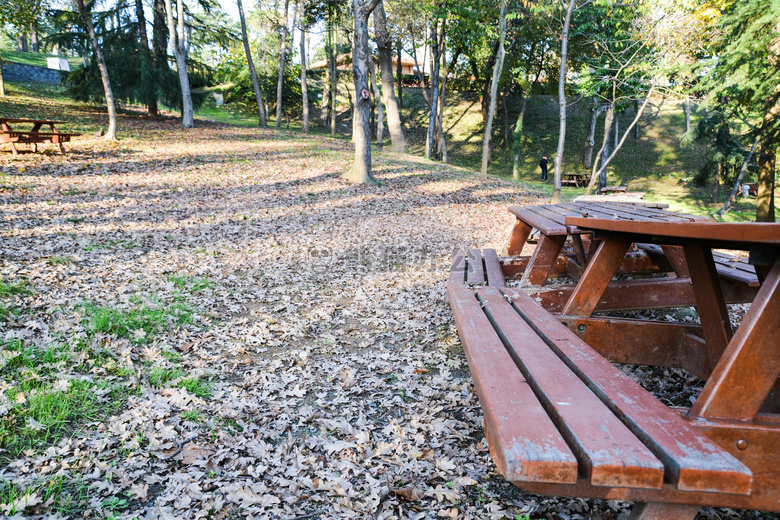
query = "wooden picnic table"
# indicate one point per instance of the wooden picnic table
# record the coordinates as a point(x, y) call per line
point(549, 219)
point(560, 419)
point(35, 135)
point(574, 179)
point(563, 250)
point(738, 406)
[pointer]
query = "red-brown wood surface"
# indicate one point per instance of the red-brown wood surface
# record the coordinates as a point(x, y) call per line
point(495, 277)
point(518, 238)
point(475, 271)
point(693, 462)
point(596, 277)
point(458, 270)
point(660, 511)
point(639, 342)
point(651, 293)
point(11, 120)
point(608, 453)
point(545, 225)
point(751, 364)
point(754, 443)
point(523, 441)
point(710, 301)
point(719, 232)
point(544, 258)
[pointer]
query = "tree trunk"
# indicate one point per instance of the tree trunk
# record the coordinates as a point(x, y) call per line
point(21, 43)
point(436, 62)
point(385, 52)
point(617, 124)
point(765, 205)
point(304, 85)
point(420, 72)
point(110, 105)
point(596, 174)
point(518, 133)
point(590, 142)
point(687, 114)
point(497, 70)
point(34, 38)
point(727, 205)
point(2, 81)
point(334, 81)
point(442, 96)
point(176, 39)
point(505, 109)
point(399, 72)
point(280, 81)
point(380, 116)
point(361, 169)
point(160, 37)
point(636, 126)
point(150, 91)
point(556, 197)
point(716, 183)
point(324, 107)
point(261, 120)
point(485, 101)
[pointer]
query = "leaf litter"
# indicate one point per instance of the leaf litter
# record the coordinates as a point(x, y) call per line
point(292, 354)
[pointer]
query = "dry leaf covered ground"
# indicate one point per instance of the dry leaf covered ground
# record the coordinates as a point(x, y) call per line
point(212, 324)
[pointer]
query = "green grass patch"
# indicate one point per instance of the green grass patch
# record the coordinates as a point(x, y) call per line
point(69, 498)
point(161, 376)
point(44, 412)
point(196, 386)
point(140, 323)
point(36, 58)
point(59, 260)
point(225, 115)
point(20, 288)
point(191, 284)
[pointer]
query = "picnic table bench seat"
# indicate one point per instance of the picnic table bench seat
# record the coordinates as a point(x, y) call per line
point(557, 413)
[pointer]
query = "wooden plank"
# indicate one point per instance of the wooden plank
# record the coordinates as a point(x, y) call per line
point(608, 453)
point(710, 302)
point(523, 441)
point(458, 270)
point(759, 440)
point(718, 232)
point(692, 461)
point(544, 225)
point(661, 511)
point(495, 277)
point(594, 281)
point(751, 364)
point(639, 342)
point(475, 272)
point(544, 258)
point(518, 238)
point(652, 293)
point(676, 257)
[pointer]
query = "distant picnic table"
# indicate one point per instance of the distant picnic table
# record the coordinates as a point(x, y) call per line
point(562, 420)
point(34, 135)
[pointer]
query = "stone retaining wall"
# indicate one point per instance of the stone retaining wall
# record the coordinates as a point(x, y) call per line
point(32, 74)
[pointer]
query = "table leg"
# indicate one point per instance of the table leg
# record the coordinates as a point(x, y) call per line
point(658, 511)
point(750, 365)
point(579, 249)
point(710, 302)
point(543, 259)
point(676, 257)
point(517, 239)
point(601, 267)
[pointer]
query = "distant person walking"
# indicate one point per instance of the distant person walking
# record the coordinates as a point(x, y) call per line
point(543, 166)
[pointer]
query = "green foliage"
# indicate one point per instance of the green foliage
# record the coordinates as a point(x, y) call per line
point(138, 323)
